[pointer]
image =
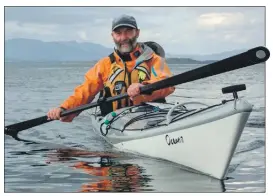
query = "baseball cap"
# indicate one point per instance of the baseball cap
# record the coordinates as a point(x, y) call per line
point(124, 20)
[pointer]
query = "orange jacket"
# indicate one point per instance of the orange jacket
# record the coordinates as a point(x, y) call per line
point(98, 75)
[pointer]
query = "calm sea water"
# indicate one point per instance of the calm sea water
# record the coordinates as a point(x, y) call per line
point(54, 163)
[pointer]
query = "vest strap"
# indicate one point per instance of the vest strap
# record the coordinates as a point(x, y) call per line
point(112, 58)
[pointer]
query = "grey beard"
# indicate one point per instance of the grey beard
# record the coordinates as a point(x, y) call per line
point(132, 44)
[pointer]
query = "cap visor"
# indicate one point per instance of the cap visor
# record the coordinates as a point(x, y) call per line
point(124, 25)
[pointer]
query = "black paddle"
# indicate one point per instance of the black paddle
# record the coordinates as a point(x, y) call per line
point(248, 58)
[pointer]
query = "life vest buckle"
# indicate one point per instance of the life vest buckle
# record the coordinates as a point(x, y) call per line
point(118, 86)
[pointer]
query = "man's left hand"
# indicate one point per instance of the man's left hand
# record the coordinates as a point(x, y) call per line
point(134, 90)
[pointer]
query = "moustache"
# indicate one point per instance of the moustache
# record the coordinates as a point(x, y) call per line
point(126, 42)
point(129, 41)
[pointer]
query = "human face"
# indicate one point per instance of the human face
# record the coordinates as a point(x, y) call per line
point(125, 39)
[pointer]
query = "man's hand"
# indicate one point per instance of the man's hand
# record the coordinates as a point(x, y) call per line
point(55, 114)
point(134, 90)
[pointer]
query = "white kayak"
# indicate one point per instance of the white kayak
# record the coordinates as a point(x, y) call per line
point(193, 134)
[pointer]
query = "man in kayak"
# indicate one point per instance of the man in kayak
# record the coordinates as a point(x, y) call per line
point(130, 66)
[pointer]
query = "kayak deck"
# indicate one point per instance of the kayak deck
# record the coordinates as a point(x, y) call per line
point(147, 120)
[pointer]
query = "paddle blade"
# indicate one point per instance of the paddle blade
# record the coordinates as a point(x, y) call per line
point(13, 129)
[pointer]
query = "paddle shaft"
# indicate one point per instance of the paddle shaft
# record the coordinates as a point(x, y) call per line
point(17, 127)
point(248, 58)
point(239, 61)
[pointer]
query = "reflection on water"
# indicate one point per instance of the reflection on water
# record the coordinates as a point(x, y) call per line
point(112, 176)
point(86, 171)
point(124, 177)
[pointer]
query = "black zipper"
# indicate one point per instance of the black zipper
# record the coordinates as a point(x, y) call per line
point(129, 81)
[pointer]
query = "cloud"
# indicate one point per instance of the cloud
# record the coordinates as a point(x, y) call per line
point(17, 29)
point(221, 19)
point(82, 35)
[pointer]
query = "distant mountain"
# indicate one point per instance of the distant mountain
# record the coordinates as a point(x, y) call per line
point(36, 50)
point(186, 61)
point(210, 57)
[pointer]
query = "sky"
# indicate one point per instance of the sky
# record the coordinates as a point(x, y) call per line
point(180, 30)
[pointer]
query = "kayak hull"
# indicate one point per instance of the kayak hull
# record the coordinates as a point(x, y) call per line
point(195, 147)
point(204, 142)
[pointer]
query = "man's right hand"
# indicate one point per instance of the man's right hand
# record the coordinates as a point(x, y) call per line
point(54, 114)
